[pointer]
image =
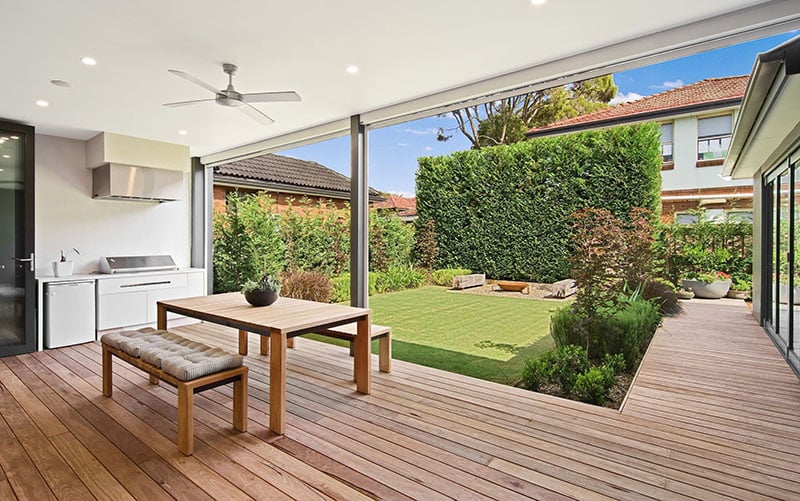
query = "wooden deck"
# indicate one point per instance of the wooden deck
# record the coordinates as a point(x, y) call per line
point(714, 414)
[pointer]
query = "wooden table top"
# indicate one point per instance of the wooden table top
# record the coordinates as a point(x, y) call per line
point(285, 315)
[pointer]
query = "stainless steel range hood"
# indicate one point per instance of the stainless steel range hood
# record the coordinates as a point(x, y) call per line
point(113, 181)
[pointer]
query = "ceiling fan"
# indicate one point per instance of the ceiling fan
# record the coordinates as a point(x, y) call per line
point(230, 97)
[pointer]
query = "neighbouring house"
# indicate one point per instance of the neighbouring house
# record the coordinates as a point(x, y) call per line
point(286, 179)
point(696, 125)
point(766, 150)
point(404, 207)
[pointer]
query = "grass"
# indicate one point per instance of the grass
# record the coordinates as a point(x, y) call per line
point(481, 336)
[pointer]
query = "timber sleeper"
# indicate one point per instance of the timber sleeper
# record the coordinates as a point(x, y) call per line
point(188, 366)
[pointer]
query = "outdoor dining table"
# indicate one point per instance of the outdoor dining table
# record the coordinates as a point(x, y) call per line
point(280, 321)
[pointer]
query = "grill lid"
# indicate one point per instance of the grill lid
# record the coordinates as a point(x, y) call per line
point(131, 264)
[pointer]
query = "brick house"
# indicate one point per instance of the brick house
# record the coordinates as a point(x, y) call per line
point(696, 125)
point(284, 178)
point(404, 207)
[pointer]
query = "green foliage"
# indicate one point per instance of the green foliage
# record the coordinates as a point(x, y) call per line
point(445, 277)
point(592, 386)
point(265, 283)
point(397, 278)
point(316, 238)
point(308, 285)
point(506, 211)
point(685, 248)
point(567, 363)
point(391, 241)
point(425, 248)
point(537, 372)
point(503, 127)
point(742, 284)
point(662, 293)
point(615, 362)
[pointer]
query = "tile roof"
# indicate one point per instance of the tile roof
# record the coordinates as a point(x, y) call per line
point(704, 92)
point(397, 202)
point(279, 169)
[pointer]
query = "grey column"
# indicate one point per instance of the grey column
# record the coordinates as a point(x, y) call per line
point(359, 215)
point(202, 215)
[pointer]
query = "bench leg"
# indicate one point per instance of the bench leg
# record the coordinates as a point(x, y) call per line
point(107, 379)
point(290, 343)
point(242, 343)
point(153, 380)
point(385, 353)
point(264, 345)
point(240, 403)
point(185, 420)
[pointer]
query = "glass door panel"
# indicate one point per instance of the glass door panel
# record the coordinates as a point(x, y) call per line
point(785, 294)
point(17, 329)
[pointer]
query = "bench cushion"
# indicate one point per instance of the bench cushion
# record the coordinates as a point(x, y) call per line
point(131, 342)
point(199, 363)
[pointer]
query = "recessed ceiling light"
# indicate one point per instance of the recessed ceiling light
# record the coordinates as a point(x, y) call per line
point(88, 61)
point(60, 83)
point(14, 137)
point(4, 138)
point(6, 156)
point(42, 103)
point(2, 170)
point(538, 2)
point(183, 132)
point(352, 69)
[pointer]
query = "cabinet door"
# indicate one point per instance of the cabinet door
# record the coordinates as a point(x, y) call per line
point(154, 296)
point(121, 310)
point(195, 284)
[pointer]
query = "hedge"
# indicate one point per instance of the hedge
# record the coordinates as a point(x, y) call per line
point(506, 210)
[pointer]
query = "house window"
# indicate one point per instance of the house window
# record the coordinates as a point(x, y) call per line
point(666, 142)
point(740, 216)
point(686, 218)
point(713, 137)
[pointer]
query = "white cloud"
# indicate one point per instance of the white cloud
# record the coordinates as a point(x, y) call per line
point(423, 132)
point(428, 148)
point(669, 84)
point(402, 145)
point(625, 98)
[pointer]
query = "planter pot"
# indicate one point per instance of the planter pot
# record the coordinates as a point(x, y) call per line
point(62, 268)
point(261, 297)
point(784, 294)
point(738, 294)
point(714, 290)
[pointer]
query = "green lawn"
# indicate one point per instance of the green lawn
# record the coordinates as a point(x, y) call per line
point(480, 336)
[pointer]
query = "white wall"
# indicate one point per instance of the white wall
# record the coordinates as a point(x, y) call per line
point(686, 175)
point(67, 216)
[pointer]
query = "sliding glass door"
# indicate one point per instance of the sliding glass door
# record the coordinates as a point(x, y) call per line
point(17, 293)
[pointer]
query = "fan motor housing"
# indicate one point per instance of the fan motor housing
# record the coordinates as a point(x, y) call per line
point(229, 98)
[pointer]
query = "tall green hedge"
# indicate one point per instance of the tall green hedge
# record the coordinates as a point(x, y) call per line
point(506, 210)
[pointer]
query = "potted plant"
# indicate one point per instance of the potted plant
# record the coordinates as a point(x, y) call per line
point(684, 294)
point(262, 292)
point(708, 285)
point(740, 289)
point(63, 267)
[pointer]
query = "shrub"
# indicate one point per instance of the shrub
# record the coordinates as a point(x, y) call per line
point(309, 285)
point(529, 190)
point(398, 278)
point(391, 241)
point(445, 276)
point(629, 330)
point(425, 248)
point(614, 362)
point(567, 363)
point(562, 328)
point(662, 293)
point(341, 287)
point(537, 372)
point(593, 385)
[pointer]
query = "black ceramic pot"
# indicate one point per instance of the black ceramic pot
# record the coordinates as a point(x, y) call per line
point(261, 297)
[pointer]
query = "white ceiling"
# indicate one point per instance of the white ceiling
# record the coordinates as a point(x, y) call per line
point(405, 49)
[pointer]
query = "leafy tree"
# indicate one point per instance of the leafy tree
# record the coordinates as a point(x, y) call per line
point(506, 121)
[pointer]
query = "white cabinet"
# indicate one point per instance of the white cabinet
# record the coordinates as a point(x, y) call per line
point(131, 300)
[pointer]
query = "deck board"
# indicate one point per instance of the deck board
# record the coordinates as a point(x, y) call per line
point(714, 414)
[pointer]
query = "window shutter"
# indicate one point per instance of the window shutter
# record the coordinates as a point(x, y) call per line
point(714, 126)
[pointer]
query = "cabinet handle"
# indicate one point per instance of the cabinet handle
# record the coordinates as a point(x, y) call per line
point(145, 284)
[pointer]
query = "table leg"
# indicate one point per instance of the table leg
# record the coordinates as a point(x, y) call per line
point(161, 317)
point(264, 345)
point(277, 381)
point(362, 356)
point(243, 342)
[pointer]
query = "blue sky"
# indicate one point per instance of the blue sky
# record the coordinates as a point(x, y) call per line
point(393, 151)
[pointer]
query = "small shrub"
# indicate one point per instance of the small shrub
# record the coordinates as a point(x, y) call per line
point(537, 372)
point(426, 249)
point(562, 328)
point(662, 293)
point(629, 330)
point(341, 287)
point(309, 285)
point(593, 385)
point(445, 276)
point(567, 364)
point(397, 278)
point(614, 362)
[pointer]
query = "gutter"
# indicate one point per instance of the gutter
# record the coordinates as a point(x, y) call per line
point(249, 183)
point(765, 70)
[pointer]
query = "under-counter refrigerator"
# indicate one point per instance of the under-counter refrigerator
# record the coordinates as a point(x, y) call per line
point(69, 313)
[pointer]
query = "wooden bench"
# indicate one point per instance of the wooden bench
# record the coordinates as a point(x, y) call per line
point(564, 288)
point(346, 332)
point(467, 281)
point(186, 391)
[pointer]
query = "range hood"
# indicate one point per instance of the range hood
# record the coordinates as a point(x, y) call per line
point(112, 181)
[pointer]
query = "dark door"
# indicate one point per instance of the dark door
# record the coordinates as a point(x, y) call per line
point(17, 286)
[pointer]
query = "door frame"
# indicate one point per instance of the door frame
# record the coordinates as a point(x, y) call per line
point(26, 132)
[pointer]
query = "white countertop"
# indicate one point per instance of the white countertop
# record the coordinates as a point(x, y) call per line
point(102, 276)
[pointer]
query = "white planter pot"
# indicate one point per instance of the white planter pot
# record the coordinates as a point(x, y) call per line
point(784, 292)
point(714, 290)
point(62, 268)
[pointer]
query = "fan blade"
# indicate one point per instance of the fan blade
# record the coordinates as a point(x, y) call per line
point(184, 103)
point(194, 80)
point(271, 97)
point(255, 114)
